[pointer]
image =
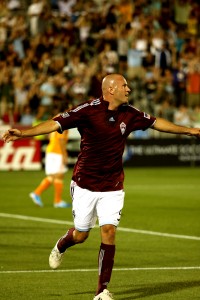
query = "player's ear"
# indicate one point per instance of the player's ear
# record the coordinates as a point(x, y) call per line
point(111, 90)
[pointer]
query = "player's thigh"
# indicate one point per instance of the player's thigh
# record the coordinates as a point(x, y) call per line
point(109, 207)
point(83, 207)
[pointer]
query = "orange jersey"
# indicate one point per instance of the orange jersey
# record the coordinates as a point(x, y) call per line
point(55, 140)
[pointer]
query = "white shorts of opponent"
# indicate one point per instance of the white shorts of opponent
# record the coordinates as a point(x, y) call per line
point(87, 206)
point(54, 164)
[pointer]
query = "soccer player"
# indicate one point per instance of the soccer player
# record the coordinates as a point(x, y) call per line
point(55, 168)
point(97, 182)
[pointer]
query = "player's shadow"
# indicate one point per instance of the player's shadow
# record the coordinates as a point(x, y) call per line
point(150, 290)
point(157, 289)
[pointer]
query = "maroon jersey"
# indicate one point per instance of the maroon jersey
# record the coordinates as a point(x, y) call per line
point(103, 135)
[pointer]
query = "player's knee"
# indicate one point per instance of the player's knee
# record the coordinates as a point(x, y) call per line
point(108, 234)
point(50, 178)
point(80, 236)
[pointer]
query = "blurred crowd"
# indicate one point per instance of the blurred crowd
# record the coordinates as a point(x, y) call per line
point(54, 54)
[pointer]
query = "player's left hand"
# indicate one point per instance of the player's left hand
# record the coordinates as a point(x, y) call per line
point(11, 135)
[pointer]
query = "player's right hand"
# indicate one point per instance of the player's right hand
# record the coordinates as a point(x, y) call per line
point(11, 135)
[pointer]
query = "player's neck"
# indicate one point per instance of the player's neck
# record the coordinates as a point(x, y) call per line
point(112, 105)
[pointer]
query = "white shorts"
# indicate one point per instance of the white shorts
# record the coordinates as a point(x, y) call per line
point(54, 164)
point(87, 206)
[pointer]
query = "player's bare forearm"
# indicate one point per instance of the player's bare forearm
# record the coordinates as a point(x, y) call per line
point(169, 127)
point(43, 128)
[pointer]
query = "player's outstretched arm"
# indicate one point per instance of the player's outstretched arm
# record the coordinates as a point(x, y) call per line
point(43, 128)
point(169, 127)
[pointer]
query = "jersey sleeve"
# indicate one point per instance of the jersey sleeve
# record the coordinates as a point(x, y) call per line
point(141, 120)
point(72, 118)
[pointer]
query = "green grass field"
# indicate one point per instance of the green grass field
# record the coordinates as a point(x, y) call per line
point(158, 241)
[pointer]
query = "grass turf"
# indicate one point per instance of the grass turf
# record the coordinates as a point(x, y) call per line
point(163, 200)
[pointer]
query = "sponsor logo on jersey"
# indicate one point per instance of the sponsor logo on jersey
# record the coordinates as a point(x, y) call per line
point(146, 115)
point(95, 102)
point(123, 127)
point(65, 115)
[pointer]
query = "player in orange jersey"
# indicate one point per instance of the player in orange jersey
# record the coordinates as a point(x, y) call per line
point(55, 168)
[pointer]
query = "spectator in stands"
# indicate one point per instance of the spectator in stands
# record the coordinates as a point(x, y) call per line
point(33, 97)
point(12, 56)
point(3, 34)
point(180, 42)
point(17, 40)
point(163, 59)
point(3, 10)
point(182, 9)
point(192, 23)
point(125, 10)
point(109, 58)
point(6, 88)
point(65, 7)
point(13, 5)
point(20, 95)
point(47, 92)
point(182, 116)
point(134, 62)
point(27, 117)
point(167, 109)
point(78, 89)
point(76, 66)
point(123, 35)
point(10, 116)
point(150, 84)
point(84, 25)
point(193, 82)
point(179, 83)
point(34, 12)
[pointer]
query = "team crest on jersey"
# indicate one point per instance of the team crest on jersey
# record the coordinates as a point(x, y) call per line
point(65, 115)
point(123, 127)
